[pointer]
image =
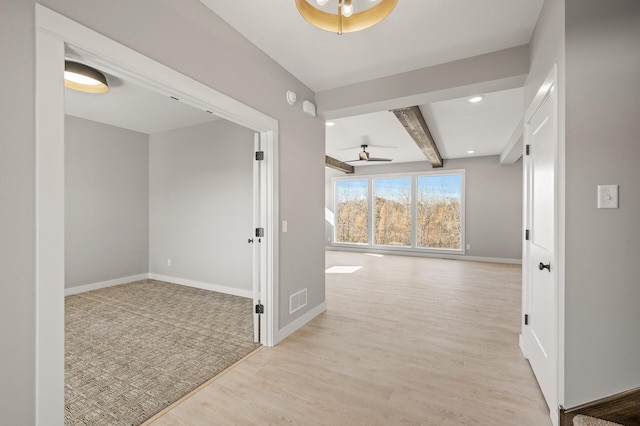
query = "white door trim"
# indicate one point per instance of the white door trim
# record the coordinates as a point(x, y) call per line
point(52, 32)
point(548, 90)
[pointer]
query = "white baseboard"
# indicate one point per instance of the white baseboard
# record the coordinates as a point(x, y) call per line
point(554, 415)
point(288, 330)
point(174, 280)
point(490, 259)
point(424, 254)
point(205, 286)
point(103, 284)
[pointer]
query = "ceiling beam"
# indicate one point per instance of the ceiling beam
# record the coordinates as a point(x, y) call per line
point(513, 149)
point(413, 122)
point(490, 72)
point(338, 165)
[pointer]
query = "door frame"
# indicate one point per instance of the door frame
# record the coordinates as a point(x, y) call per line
point(548, 91)
point(53, 31)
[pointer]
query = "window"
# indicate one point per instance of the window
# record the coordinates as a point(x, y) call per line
point(419, 211)
point(352, 211)
point(392, 211)
point(439, 212)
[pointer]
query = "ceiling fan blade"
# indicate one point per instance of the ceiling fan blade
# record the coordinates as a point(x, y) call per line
point(368, 146)
point(383, 146)
point(379, 159)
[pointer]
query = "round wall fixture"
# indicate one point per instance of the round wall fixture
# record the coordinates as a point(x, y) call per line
point(291, 97)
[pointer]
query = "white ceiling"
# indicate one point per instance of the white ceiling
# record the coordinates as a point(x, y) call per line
point(129, 105)
point(381, 131)
point(135, 108)
point(417, 34)
point(457, 126)
point(485, 127)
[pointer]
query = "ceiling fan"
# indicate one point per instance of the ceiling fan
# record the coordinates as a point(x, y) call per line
point(365, 156)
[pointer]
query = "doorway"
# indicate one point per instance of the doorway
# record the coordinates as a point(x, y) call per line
point(53, 32)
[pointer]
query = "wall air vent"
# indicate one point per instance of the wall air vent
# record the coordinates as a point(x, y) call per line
point(297, 301)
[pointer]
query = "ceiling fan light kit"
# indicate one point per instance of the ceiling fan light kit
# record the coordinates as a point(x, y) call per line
point(346, 19)
point(365, 156)
point(83, 78)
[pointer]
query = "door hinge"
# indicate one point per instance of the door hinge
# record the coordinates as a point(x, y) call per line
point(259, 155)
point(527, 149)
point(526, 234)
point(259, 232)
point(259, 308)
point(526, 319)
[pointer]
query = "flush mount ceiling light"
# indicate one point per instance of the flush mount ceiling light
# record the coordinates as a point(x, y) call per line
point(84, 78)
point(347, 19)
point(476, 99)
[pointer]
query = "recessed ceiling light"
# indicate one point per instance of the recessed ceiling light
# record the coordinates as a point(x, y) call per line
point(471, 151)
point(475, 99)
point(330, 123)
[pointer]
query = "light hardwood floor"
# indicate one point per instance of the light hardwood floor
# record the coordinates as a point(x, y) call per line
point(405, 340)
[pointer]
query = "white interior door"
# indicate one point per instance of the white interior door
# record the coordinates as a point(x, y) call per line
point(540, 278)
point(263, 241)
point(257, 218)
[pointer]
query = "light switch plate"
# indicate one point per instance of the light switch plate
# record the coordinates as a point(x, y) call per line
point(607, 196)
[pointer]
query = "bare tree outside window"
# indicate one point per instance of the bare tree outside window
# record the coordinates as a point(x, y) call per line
point(439, 212)
point(392, 211)
point(438, 206)
point(352, 211)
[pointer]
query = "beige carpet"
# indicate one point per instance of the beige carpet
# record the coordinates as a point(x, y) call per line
point(133, 349)
point(590, 421)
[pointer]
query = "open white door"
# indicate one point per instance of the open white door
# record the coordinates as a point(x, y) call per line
point(540, 267)
point(256, 247)
point(260, 240)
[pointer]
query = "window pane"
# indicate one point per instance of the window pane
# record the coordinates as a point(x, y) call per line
point(439, 211)
point(352, 211)
point(392, 211)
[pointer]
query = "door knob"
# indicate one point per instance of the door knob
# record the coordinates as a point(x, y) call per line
point(250, 240)
point(542, 266)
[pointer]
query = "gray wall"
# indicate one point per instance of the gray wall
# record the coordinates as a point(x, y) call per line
point(603, 246)
point(106, 202)
point(131, 205)
point(17, 213)
point(493, 202)
point(201, 206)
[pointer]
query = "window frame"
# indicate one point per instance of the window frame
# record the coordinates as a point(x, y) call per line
point(371, 244)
